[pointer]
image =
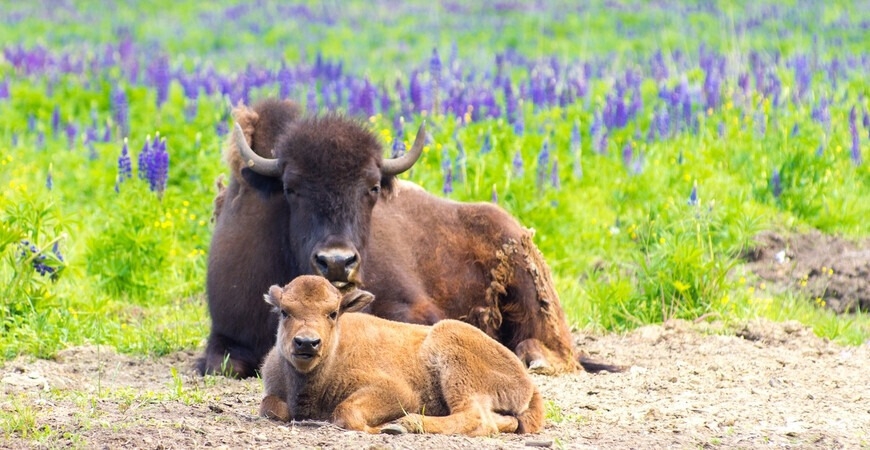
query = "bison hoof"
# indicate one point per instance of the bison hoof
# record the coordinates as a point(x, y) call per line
point(393, 428)
point(540, 366)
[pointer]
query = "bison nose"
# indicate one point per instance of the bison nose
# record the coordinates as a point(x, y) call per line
point(336, 264)
point(306, 343)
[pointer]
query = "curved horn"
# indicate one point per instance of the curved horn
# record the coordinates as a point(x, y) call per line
point(398, 165)
point(263, 166)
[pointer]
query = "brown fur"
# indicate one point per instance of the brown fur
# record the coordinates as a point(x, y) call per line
point(368, 372)
point(425, 258)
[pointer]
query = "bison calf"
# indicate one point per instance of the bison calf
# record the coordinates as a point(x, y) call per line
point(365, 373)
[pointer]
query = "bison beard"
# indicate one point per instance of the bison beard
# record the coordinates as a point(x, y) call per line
point(314, 196)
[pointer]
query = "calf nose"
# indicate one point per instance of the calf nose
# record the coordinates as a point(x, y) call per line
point(306, 343)
point(336, 264)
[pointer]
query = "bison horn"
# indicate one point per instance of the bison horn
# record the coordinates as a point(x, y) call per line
point(398, 165)
point(263, 166)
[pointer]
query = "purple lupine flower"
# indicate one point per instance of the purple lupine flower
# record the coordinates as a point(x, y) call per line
point(55, 120)
point(794, 130)
point(31, 122)
point(40, 140)
point(627, 154)
point(494, 197)
point(145, 158)
point(856, 141)
point(803, 76)
point(543, 163)
point(157, 167)
point(518, 164)
point(71, 132)
point(721, 128)
point(448, 179)
point(27, 250)
point(577, 151)
point(4, 89)
point(92, 149)
point(776, 184)
point(49, 182)
point(693, 196)
point(435, 73)
point(120, 108)
point(511, 103)
point(398, 148)
point(125, 166)
point(416, 92)
point(160, 77)
point(486, 146)
point(311, 98)
point(554, 175)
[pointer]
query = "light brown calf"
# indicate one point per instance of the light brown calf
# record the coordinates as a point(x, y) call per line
point(365, 373)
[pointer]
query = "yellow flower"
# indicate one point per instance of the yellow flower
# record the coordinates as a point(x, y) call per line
point(680, 286)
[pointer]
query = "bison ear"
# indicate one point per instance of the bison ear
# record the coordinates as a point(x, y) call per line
point(356, 300)
point(274, 296)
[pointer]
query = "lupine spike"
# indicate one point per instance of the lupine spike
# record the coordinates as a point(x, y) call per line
point(518, 163)
point(776, 184)
point(693, 196)
point(856, 139)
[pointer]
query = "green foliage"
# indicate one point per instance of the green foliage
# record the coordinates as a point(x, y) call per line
point(624, 246)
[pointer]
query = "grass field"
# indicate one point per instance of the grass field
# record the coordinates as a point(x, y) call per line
point(647, 143)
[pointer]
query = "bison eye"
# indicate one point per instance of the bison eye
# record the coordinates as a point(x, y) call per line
point(289, 191)
point(376, 189)
point(333, 315)
point(284, 314)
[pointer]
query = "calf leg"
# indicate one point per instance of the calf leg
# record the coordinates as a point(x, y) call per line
point(370, 407)
point(274, 408)
point(477, 420)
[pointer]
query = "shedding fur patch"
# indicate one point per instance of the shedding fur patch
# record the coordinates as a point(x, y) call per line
point(537, 267)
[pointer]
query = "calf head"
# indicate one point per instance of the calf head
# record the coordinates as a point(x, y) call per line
point(310, 308)
point(331, 171)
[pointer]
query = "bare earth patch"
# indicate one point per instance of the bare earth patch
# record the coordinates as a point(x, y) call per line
point(761, 385)
point(832, 270)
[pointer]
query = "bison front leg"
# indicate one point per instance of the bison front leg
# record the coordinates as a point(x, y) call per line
point(368, 409)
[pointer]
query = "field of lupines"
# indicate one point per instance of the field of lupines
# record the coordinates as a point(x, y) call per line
point(646, 142)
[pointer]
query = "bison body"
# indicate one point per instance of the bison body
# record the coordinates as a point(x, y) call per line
point(313, 195)
point(362, 372)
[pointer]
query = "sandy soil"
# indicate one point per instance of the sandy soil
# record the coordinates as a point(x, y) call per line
point(688, 386)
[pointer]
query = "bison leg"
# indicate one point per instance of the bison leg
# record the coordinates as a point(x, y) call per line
point(224, 358)
point(274, 408)
point(367, 408)
point(535, 356)
point(475, 418)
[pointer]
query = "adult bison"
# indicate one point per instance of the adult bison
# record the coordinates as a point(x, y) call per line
point(313, 195)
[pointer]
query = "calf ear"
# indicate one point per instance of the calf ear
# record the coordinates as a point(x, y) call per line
point(356, 300)
point(274, 296)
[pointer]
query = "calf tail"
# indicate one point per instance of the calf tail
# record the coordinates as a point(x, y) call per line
point(532, 419)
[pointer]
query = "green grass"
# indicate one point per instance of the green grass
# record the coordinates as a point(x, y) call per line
point(626, 248)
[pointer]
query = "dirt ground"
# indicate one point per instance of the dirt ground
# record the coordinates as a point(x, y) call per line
point(833, 271)
point(688, 385)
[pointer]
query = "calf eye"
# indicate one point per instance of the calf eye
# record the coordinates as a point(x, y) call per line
point(333, 315)
point(376, 189)
point(284, 314)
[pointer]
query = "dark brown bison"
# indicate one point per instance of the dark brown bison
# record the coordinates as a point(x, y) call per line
point(313, 195)
point(365, 373)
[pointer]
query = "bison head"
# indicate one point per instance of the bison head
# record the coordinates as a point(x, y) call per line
point(332, 173)
point(310, 308)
